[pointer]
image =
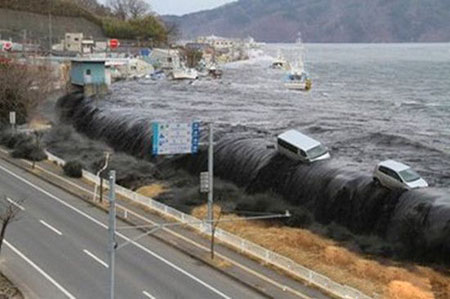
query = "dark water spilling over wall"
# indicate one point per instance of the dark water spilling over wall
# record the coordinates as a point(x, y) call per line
point(416, 223)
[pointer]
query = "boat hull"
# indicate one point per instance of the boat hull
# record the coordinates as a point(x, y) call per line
point(298, 85)
point(182, 75)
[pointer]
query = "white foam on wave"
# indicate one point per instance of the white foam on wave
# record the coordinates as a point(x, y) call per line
point(256, 57)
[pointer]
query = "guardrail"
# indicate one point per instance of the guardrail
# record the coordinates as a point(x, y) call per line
point(242, 245)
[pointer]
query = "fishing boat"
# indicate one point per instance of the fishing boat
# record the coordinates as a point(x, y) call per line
point(297, 78)
point(182, 72)
point(280, 63)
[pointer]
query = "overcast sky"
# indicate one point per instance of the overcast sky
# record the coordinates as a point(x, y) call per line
point(181, 7)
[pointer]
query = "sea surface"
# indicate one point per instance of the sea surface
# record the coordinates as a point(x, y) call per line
point(369, 102)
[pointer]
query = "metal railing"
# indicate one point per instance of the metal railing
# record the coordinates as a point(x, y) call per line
point(242, 245)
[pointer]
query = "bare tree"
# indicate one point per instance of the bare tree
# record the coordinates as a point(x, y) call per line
point(118, 8)
point(125, 9)
point(9, 212)
point(22, 88)
point(93, 6)
point(138, 8)
point(90, 5)
point(173, 31)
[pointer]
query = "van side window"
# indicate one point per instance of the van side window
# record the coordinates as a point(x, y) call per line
point(390, 173)
point(384, 170)
point(287, 146)
point(396, 176)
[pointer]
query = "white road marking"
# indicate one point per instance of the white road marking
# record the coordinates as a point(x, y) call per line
point(15, 203)
point(147, 294)
point(69, 295)
point(255, 273)
point(95, 258)
point(118, 234)
point(50, 227)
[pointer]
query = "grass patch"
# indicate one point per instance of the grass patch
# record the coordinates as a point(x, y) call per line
point(386, 278)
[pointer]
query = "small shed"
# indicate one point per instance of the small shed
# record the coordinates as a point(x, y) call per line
point(91, 74)
point(88, 71)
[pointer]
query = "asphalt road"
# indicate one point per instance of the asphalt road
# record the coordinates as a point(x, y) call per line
point(58, 249)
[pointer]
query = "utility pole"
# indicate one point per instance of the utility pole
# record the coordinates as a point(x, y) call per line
point(211, 175)
point(112, 231)
point(50, 29)
point(24, 41)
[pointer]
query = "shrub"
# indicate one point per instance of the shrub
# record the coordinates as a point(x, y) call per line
point(73, 169)
point(29, 151)
point(299, 218)
point(148, 28)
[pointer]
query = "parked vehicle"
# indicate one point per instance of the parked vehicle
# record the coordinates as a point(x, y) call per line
point(393, 174)
point(298, 146)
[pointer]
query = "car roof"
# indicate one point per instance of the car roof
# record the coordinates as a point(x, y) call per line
point(299, 140)
point(394, 165)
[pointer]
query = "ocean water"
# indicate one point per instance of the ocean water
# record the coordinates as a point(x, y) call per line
point(369, 102)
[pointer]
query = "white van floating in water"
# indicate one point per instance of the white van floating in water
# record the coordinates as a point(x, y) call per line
point(393, 174)
point(298, 146)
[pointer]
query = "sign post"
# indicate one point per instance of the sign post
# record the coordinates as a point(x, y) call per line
point(204, 182)
point(12, 119)
point(7, 46)
point(114, 44)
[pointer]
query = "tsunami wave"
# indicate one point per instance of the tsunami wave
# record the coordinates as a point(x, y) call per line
point(416, 223)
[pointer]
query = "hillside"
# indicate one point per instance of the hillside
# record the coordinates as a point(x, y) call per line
point(33, 16)
point(324, 20)
point(13, 23)
point(39, 19)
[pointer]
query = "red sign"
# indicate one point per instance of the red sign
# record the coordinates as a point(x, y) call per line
point(7, 46)
point(114, 43)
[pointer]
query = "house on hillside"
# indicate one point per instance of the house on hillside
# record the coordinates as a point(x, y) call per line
point(73, 42)
point(76, 43)
point(217, 42)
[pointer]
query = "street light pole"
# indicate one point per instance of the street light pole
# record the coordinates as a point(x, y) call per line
point(112, 231)
point(211, 175)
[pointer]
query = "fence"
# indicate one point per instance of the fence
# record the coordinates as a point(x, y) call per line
point(243, 245)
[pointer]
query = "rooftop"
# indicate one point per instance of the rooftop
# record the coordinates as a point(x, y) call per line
point(299, 140)
point(394, 165)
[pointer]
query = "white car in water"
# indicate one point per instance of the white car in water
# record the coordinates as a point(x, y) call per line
point(393, 174)
point(298, 146)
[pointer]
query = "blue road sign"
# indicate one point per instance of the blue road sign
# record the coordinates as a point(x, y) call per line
point(175, 138)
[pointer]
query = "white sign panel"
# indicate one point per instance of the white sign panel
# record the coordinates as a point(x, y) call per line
point(204, 182)
point(12, 118)
point(175, 138)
